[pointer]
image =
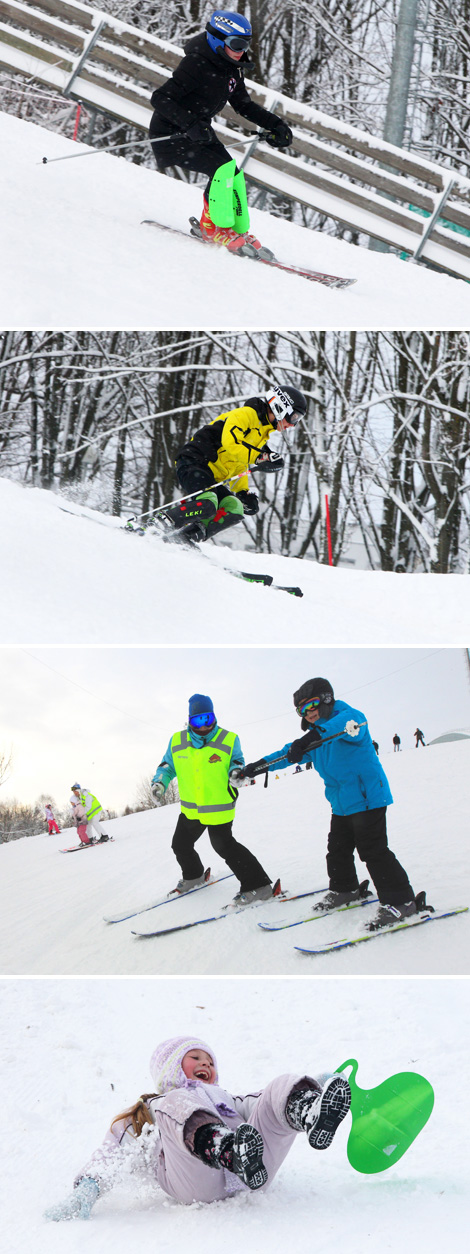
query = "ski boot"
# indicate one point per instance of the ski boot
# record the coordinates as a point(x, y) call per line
point(333, 899)
point(245, 244)
point(185, 886)
point(388, 915)
point(247, 896)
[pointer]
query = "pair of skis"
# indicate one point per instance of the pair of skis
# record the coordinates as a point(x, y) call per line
point(278, 895)
point(314, 276)
point(91, 844)
point(171, 536)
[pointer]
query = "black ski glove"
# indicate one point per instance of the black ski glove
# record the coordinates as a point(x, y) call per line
point(303, 745)
point(255, 768)
point(269, 462)
point(249, 501)
point(201, 133)
point(279, 135)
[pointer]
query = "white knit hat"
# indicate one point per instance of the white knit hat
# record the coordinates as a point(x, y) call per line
point(165, 1063)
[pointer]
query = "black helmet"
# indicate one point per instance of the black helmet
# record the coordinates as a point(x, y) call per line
point(286, 403)
point(315, 690)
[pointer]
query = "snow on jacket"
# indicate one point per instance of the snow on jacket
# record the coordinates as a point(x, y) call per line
point(353, 776)
point(166, 770)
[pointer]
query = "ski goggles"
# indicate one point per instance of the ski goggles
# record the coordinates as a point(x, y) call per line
point(313, 704)
point(293, 419)
point(239, 43)
point(202, 720)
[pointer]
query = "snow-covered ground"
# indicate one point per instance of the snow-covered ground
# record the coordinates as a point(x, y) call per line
point(52, 905)
point(75, 1053)
point(139, 590)
point(74, 253)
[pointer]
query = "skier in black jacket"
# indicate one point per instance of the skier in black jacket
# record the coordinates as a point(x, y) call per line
point(209, 76)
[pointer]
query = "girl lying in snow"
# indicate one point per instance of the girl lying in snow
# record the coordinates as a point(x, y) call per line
point(209, 1144)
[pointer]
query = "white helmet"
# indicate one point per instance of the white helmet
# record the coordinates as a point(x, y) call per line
point(286, 403)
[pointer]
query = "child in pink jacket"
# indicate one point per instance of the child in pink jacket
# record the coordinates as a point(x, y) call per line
point(200, 1142)
point(50, 820)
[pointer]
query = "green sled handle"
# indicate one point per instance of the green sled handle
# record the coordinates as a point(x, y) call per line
point(386, 1119)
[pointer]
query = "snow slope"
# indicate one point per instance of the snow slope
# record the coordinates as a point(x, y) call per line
point(74, 254)
point(142, 591)
point(74, 1053)
point(53, 905)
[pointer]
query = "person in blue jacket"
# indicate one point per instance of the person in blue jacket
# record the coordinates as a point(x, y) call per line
point(358, 791)
point(207, 761)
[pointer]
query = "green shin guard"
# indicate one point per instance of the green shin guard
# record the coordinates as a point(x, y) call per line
point(386, 1119)
point(229, 512)
point(240, 204)
point(221, 195)
point(228, 204)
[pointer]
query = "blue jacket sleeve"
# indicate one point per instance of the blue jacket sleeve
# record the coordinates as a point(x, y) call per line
point(280, 753)
point(166, 769)
point(237, 759)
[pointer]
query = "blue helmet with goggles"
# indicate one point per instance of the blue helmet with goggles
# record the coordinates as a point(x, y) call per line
point(228, 30)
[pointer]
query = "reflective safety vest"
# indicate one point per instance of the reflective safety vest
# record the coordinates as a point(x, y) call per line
point(205, 792)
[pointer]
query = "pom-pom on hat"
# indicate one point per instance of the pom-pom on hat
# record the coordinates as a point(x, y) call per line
point(199, 704)
point(165, 1063)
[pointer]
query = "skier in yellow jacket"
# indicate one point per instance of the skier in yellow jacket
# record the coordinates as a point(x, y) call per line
point(207, 761)
point(231, 446)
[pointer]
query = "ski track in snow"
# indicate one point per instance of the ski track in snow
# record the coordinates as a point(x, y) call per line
point(60, 930)
point(75, 1053)
point(75, 254)
point(143, 591)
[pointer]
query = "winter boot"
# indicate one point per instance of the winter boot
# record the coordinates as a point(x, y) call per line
point(240, 1152)
point(102, 840)
point(387, 915)
point(185, 886)
point(334, 899)
point(319, 1112)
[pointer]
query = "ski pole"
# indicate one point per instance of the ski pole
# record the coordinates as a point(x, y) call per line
point(137, 143)
point(263, 770)
point(161, 508)
point(112, 148)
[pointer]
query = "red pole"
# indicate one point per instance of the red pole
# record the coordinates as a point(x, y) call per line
point(77, 119)
point(328, 530)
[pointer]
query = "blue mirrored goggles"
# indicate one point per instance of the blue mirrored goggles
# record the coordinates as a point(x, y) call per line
point(313, 704)
point(202, 720)
point(239, 43)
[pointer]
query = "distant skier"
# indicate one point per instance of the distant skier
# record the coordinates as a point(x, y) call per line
point(419, 738)
point(357, 788)
point(396, 743)
point(50, 820)
point(231, 445)
point(87, 808)
point(209, 76)
point(208, 1145)
point(298, 769)
point(207, 761)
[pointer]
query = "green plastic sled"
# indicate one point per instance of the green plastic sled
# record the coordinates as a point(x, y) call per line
point(386, 1120)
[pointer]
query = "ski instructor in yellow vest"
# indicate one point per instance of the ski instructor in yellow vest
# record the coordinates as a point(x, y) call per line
point(207, 761)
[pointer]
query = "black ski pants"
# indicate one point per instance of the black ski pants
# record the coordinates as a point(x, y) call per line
point(186, 152)
point(243, 863)
point(366, 832)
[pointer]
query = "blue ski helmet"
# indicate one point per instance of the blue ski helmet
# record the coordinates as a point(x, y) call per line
point(228, 29)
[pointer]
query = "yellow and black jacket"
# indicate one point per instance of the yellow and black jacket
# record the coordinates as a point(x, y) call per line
point(231, 443)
